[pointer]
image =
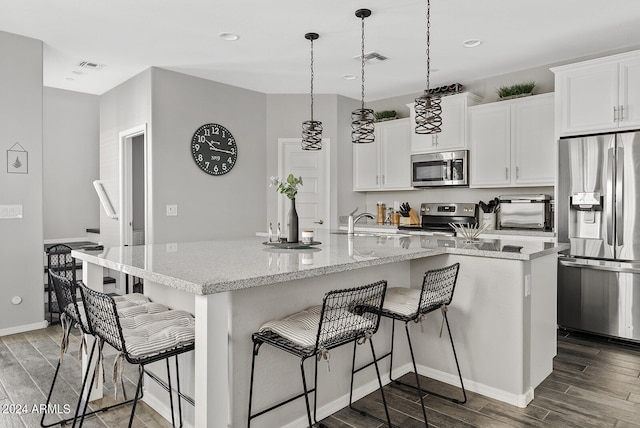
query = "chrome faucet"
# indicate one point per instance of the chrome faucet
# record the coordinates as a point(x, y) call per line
point(353, 220)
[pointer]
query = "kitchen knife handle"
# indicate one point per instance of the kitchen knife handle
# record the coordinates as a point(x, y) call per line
point(610, 197)
point(620, 196)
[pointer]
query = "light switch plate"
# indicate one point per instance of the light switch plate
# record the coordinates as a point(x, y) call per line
point(10, 211)
point(172, 210)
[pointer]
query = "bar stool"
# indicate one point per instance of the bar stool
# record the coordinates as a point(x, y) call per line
point(406, 304)
point(72, 314)
point(59, 260)
point(348, 315)
point(141, 339)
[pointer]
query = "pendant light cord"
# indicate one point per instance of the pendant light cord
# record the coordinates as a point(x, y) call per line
point(312, 79)
point(428, 43)
point(362, 71)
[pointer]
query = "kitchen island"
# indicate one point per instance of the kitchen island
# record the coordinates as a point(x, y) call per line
point(503, 315)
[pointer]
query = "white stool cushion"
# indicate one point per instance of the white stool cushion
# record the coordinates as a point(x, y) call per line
point(149, 334)
point(401, 301)
point(128, 305)
point(301, 328)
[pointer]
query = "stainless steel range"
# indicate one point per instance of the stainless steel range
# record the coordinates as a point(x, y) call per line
point(435, 218)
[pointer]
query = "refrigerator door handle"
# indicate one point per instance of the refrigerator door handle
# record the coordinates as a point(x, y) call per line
point(609, 201)
point(620, 196)
point(614, 267)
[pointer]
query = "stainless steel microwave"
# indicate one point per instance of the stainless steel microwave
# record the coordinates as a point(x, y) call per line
point(440, 169)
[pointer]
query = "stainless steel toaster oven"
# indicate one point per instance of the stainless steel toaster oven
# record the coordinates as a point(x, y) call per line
point(525, 212)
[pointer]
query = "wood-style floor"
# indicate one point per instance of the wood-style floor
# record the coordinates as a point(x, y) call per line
point(595, 383)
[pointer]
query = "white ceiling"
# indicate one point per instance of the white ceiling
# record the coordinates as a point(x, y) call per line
point(272, 55)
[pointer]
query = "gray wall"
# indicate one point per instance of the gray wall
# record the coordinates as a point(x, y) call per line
point(209, 207)
point(124, 107)
point(285, 114)
point(21, 250)
point(71, 163)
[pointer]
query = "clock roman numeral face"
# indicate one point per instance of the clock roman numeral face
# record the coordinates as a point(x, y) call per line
point(214, 149)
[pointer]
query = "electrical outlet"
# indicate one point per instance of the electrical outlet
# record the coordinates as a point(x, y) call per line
point(172, 210)
point(10, 211)
point(527, 285)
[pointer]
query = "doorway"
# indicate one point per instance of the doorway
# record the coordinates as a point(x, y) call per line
point(313, 202)
point(134, 193)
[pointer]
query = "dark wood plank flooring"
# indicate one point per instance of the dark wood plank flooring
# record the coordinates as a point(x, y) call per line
point(595, 383)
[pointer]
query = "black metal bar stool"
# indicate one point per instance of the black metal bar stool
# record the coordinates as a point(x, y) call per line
point(406, 304)
point(59, 261)
point(348, 315)
point(73, 314)
point(141, 339)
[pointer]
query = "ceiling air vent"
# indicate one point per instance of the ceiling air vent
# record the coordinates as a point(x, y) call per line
point(90, 65)
point(371, 58)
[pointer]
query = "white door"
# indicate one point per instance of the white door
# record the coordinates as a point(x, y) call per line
point(630, 93)
point(313, 199)
point(534, 147)
point(589, 96)
point(490, 150)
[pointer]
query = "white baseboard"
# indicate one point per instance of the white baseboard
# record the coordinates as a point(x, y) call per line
point(23, 328)
point(161, 405)
point(519, 400)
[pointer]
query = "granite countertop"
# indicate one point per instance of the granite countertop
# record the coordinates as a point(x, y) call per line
point(217, 266)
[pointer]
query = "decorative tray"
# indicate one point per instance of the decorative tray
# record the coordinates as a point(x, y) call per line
point(291, 245)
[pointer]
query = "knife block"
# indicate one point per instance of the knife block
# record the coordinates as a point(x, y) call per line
point(413, 219)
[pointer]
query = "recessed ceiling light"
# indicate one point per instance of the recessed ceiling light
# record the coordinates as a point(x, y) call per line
point(231, 37)
point(349, 76)
point(472, 43)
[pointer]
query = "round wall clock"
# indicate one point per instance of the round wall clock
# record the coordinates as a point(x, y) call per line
point(214, 149)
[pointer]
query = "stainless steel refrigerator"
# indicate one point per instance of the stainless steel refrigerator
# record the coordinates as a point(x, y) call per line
point(599, 215)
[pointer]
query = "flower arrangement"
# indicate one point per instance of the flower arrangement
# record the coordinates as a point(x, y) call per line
point(289, 187)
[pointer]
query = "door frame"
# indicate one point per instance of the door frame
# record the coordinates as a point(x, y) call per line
point(125, 139)
point(326, 149)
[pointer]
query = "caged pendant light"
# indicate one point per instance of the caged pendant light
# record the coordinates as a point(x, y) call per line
point(427, 107)
point(362, 126)
point(311, 129)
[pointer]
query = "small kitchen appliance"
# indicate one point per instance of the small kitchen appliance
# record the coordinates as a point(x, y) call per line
point(440, 169)
point(524, 212)
point(435, 218)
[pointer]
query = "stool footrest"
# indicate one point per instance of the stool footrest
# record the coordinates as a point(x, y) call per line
point(280, 404)
point(426, 391)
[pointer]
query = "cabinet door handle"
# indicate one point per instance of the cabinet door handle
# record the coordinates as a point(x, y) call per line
point(615, 113)
point(506, 173)
point(621, 113)
point(377, 181)
point(384, 181)
point(517, 172)
point(433, 141)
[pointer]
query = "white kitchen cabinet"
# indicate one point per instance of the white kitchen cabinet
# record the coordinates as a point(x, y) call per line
point(454, 125)
point(384, 164)
point(512, 143)
point(598, 95)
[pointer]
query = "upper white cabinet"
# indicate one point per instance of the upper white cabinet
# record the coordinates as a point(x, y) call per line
point(598, 95)
point(384, 164)
point(454, 125)
point(512, 143)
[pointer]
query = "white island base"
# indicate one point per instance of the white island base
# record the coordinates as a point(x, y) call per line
point(503, 321)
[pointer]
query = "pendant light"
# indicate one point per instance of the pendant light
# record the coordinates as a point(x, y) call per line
point(311, 129)
point(362, 126)
point(427, 107)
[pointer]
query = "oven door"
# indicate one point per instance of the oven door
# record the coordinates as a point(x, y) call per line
point(439, 169)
